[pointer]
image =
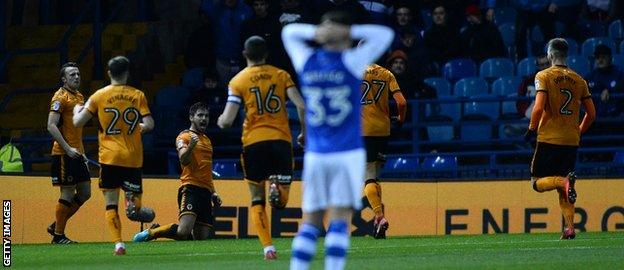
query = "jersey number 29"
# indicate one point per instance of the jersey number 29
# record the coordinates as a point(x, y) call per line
point(130, 116)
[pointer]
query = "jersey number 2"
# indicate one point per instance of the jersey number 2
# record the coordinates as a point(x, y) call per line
point(131, 116)
point(564, 108)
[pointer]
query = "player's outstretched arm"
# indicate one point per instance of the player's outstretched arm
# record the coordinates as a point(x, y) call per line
point(376, 39)
point(147, 124)
point(295, 97)
point(229, 114)
point(295, 36)
point(590, 114)
point(81, 115)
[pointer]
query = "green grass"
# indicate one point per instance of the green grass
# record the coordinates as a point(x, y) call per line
point(515, 251)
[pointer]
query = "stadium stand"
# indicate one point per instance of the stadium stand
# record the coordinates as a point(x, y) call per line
point(470, 86)
point(494, 68)
point(579, 63)
point(441, 85)
point(457, 69)
point(526, 66)
point(587, 49)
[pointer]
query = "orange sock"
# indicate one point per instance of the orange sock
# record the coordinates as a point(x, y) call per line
point(114, 224)
point(62, 213)
point(549, 183)
point(567, 210)
point(373, 194)
point(259, 218)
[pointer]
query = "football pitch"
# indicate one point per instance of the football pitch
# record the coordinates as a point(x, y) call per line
point(503, 251)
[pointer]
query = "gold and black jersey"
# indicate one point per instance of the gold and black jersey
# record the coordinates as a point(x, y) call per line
point(119, 109)
point(63, 102)
point(199, 170)
point(377, 86)
point(566, 90)
point(261, 90)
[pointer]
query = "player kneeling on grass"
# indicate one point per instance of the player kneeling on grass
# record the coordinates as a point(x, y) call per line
point(197, 189)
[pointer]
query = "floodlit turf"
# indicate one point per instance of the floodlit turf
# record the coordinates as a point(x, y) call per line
point(516, 251)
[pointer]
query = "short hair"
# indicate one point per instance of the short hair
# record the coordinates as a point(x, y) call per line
point(602, 49)
point(65, 66)
point(558, 47)
point(255, 48)
point(198, 106)
point(118, 66)
point(337, 16)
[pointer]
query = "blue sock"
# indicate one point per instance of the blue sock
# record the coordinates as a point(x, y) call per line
point(304, 247)
point(336, 244)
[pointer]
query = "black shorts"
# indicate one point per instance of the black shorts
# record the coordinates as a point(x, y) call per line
point(128, 179)
point(194, 200)
point(376, 148)
point(553, 160)
point(67, 171)
point(263, 159)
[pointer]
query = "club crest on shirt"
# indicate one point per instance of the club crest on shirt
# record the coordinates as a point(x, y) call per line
point(56, 105)
point(538, 85)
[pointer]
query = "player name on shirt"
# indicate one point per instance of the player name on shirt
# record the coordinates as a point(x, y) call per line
point(316, 76)
point(564, 78)
point(121, 97)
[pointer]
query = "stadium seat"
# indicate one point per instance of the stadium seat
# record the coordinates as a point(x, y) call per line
point(618, 60)
point(486, 108)
point(426, 17)
point(618, 158)
point(441, 163)
point(508, 33)
point(470, 86)
point(451, 109)
point(440, 133)
point(588, 46)
point(225, 168)
point(440, 84)
point(506, 85)
point(580, 64)
point(193, 78)
point(508, 108)
point(401, 163)
point(527, 66)
point(616, 31)
point(496, 67)
point(590, 29)
point(457, 69)
point(505, 15)
point(622, 47)
point(172, 96)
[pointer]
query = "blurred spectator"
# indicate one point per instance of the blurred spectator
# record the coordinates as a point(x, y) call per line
point(294, 11)
point(567, 12)
point(488, 6)
point(267, 26)
point(441, 40)
point(527, 87)
point(408, 38)
point(413, 87)
point(603, 10)
point(379, 10)
point(529, 14)
point(360, 15)
point(200, 45)
point(606, 79)
point(227, 18)
point(481, 39)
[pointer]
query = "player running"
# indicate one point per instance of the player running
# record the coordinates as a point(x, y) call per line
point(377, 86)
point(123, 116)
point(333, 166)
point(267, 147)
point(554, 120)
point(69, 168)
point(197, 192)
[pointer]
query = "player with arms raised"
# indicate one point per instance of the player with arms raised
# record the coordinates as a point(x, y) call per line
point(123, 115)
point(333, 166)
point(197, 190)
point(377, 86)
point(555, 122)
point(267, 148)
point(69, 169)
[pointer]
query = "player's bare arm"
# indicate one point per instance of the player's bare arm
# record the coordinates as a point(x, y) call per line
point(53, 121)
point(401, 105)
point(538, 109)
point(590, 115)
point(81, 115)
point(229, 114)
point(295, 97)
point(147, 124)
